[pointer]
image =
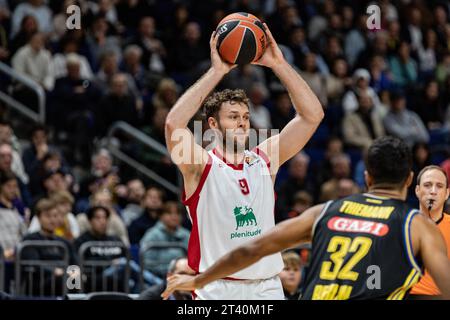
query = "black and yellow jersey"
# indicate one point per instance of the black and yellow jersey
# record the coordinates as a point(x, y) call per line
point(362, 249)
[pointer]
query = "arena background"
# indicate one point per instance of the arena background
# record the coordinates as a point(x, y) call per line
point(82, 111)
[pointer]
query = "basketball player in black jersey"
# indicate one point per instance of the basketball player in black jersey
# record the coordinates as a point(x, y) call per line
point(365, 246)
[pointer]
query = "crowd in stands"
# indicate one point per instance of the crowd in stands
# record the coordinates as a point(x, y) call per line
point(131, 60)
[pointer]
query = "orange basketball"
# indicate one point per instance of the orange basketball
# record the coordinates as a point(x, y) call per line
point(242, 38)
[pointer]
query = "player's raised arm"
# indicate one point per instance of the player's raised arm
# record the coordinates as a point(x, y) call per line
point(433, 251)
point(285, 235)
point(176, 131)
point(309, 110)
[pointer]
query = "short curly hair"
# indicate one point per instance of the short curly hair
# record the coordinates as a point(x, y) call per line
point(213, 103)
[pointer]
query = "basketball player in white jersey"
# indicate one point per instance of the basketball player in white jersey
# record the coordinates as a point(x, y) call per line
point(229, 193)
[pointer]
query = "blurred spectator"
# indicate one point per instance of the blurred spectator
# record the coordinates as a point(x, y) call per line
point(282, 113)
point(133, 67)
point(302, 200)
point(153, 50)
point(334, 147)
point(355, 40)
point(12, 226)
point(403, 67)
point(98, 217)
point(109, 67)
point(189, 51)
point(380, 76)
point(166, 94)
point(59, 61)
point(243, 77)
point(34, 60)
point(28, 27)
point(176, 266)
point(430, 106)
point(291, 276)
point(361, 80)
point(118, 105)
point(152, 204)
point(443, 68)
point(33, 156)
point(48, 218)
point(341, 169)
point(315, 80)
point(259, 115)
point(7, 136)
point(167, 229)
point(133, 209)
point(102, 175)
point(405, 124)
point(427, 53)
point(115, 226)
point(8, 164)
point(67, 225)
point(100, 40)
point(346, 187)
point(36, 8)
point(364, 125)
point(297, 181)
point(74, 99)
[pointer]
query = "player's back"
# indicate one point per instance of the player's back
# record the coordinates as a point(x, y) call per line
point(362, 249)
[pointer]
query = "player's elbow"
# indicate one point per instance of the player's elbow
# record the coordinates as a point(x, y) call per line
point(318, 114)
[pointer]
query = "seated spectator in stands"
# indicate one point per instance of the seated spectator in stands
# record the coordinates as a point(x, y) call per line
point(403, 123)
point(109, 66)
point(362, 126)
point(341, 169)
point(34, 61)
point(28, 27)
point(431, 107)
point(153, 50)
point(100, 40)
point(47, 214)
point(243, 77)
point(381, 79)
point(7, 136)
point(346, 187)
point(302, 201)
point(98, 220)
point(152, 204)
point(297, 181)
point(403, 67)
point(189, 51)
point(103, 175)
point(315, 80)
point(67, 225)
point(282, 113)
point(291, 276)
point(166, 94)
point(38, 9)
point(135, 195)
point(72, 109)
point(33, 156)
point(115, 227)
point(167, 229)
point(361, 81)
point(334, 147)
point(59, 60)
point(132, 66)
point(259, 114)
point(8, 164)
point(118, 105)
point(176, 266)
point(53, 181)
point(12, 226)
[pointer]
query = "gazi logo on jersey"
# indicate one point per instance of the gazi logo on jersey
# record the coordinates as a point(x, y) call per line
point(244, 217)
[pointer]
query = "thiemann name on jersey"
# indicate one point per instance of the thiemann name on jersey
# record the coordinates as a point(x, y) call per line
point(245, 234)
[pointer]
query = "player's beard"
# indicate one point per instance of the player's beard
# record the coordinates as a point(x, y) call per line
point(231, 141)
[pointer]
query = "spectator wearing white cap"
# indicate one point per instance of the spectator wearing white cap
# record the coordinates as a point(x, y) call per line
point(361, 80)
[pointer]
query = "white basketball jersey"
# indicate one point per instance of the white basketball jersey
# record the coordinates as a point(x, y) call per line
point(231, 206)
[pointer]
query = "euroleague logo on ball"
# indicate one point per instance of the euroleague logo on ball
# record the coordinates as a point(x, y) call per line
point(242, 38)
point(222, 29)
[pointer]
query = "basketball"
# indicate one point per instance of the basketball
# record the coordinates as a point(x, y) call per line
point(242, 38)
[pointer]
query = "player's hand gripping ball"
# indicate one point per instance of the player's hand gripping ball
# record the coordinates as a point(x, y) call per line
point(242, 38)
